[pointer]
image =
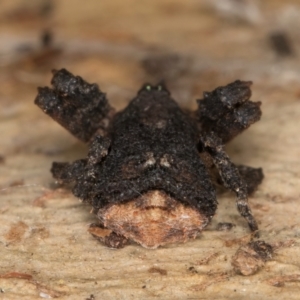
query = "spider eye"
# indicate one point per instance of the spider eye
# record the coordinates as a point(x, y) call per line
point(148, 87)
point(159, 87)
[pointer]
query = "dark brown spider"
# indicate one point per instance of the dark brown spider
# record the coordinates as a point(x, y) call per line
point(148, 173)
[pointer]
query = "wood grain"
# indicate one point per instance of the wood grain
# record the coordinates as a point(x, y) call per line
point(43, 230)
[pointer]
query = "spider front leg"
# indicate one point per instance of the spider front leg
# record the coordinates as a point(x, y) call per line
point(227, 110)
point(78, 106)
point(230, 175)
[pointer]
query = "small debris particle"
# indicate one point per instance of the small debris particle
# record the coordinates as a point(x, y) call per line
point(281, 44)
point(251, 257)
point(143, 287)
point(92, 297)
point(158, 270)
point(2, 159)
point(225, 226)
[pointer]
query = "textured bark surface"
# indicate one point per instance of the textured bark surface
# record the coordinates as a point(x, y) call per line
point(45, 249)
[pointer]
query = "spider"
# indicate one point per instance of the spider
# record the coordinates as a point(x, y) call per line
point(150, 170)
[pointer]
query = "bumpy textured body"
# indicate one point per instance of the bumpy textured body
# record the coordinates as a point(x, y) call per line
point(148, 170)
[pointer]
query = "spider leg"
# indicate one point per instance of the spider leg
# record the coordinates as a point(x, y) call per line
point(108, 237)
point(67, 173)
point(227, 110)
point(230, 176)
point(252, 176)
point(83, 174)
point(78, 106)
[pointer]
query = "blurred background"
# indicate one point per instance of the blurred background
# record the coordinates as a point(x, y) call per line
point(194, 46)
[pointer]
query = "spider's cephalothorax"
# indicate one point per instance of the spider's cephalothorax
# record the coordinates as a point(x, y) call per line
point(148, 173)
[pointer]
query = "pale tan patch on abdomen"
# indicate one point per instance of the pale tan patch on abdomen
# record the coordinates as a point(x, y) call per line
point(153, 219)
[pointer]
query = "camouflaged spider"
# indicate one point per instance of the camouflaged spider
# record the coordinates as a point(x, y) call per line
point(148, 172)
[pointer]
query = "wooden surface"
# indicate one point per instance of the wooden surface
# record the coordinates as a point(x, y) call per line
point(45, 249)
